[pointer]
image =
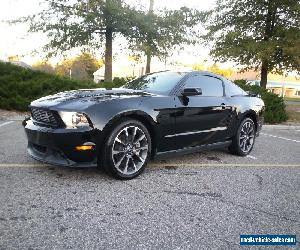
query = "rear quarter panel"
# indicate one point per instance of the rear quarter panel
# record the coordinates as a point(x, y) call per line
point(246, 106)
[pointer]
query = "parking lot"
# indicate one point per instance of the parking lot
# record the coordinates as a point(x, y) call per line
point(198, 201)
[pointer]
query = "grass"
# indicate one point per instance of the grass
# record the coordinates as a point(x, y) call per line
point(293, 112)
point(294, 99)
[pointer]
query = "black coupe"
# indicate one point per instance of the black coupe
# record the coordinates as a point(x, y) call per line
point(156, 115)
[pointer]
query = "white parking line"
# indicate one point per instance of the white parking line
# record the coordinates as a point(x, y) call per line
point(6, 123)
point(18, 165)
point(279, 137)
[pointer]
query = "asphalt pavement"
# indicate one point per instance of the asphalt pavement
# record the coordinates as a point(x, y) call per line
point(198, 201)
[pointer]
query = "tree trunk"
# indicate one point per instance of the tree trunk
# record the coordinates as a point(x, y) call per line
point(108, 55)
point(264, 74)
point(148, 54)
point(148, 65)
point(269, 29)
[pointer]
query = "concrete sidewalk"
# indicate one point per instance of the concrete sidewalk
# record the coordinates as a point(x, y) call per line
point(8, 115)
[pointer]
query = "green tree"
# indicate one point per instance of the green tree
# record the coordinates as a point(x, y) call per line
point(149, 38)
point(64, 68)
point(228, 72)
point(13, 58)
point(257, 34)
point(81, 67)
point(223, 72)
point(44, 66)
point(157, 33)
point(84, 66)
point(75, 23)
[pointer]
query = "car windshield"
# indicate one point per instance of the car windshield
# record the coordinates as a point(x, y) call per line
point(162, 82)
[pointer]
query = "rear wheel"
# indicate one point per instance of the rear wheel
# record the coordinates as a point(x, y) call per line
point(243, 141)
point(127, 149)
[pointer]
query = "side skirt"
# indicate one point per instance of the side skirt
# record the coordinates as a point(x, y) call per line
point(166, 154)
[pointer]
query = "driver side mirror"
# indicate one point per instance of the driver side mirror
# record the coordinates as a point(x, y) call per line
point(253, 94)
point(191, 91)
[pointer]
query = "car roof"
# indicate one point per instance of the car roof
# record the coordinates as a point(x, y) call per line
point(191, 72)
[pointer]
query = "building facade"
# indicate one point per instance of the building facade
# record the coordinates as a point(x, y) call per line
point(282, 86)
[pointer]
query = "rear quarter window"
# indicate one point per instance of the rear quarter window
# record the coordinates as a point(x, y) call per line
point(233, 90)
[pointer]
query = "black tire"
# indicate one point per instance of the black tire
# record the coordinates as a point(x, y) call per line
point(243, 141)
point(133, 154)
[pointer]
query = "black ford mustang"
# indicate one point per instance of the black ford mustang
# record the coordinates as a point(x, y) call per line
point(153, 116)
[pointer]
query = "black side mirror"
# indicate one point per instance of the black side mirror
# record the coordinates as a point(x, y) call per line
point(253, 94)
point(191, 91)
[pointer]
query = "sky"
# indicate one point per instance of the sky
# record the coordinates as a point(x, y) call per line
point(15, 40)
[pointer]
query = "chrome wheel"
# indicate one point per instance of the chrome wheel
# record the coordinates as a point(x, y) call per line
point(130, 150)
point(246, 138)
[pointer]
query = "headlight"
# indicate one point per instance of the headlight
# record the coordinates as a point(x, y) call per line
point(74, 119)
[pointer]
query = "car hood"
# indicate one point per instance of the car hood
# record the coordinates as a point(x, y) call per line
point(86, 97)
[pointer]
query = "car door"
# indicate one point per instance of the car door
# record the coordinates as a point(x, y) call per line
point(201, 119)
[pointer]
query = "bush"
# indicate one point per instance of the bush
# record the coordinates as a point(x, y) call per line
point(275, 108)
point(20, 86)
point(116, 83)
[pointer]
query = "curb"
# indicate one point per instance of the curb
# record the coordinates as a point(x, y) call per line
point(284, 127)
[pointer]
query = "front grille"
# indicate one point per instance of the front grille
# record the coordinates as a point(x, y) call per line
point(44, 116)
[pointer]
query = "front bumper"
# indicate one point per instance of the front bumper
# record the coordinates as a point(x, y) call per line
point(58, 146)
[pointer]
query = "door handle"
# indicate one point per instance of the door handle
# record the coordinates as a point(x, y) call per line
point(223, 105)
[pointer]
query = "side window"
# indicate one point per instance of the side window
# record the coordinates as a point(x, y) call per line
point(210, 86)
point(233, 90)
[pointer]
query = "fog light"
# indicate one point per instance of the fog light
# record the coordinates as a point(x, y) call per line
point(84, 147)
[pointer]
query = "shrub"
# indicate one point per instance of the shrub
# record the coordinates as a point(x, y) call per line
point(120, 81)
point(20, 86)
point(116, 83)
point(275, 108)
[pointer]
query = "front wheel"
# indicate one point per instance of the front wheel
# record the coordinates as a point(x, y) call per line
point(243, 141)
point(127, 150)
